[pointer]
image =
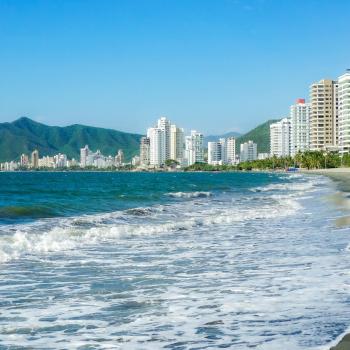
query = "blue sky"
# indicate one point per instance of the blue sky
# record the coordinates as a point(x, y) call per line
point(211, 65)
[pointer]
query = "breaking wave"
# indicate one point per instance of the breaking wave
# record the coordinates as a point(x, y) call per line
point(68, 234)
point(188, 195)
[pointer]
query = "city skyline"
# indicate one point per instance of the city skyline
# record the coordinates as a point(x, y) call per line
point(122, 64)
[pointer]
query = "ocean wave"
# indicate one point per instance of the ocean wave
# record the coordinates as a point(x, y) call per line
point(66, 235)
point(15, 212)
point(305, 186)
point(196, 194)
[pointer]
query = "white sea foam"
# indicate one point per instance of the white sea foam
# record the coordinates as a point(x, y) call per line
point(196, 194)
point(68, 234)
point(289, 186)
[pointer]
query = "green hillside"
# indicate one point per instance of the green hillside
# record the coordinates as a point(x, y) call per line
point(260, 135)
point(24, 135)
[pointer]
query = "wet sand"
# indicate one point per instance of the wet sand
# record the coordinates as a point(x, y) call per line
point(342, 178)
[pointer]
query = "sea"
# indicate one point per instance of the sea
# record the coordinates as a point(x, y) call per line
point(117, 260)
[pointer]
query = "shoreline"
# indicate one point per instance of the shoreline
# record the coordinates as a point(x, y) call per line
point(341, 177)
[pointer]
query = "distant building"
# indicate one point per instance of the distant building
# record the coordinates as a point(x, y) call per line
point(157, 146)
point(248, 151)
point(194, 148)
point(135, 161)
point(262, 156)
point(214, 153)
point(24, 160)
point(176, 143)
point(344, 112)
point(119, 158)
point(222, 151)
point(60, 160)
point(145, 151)
point(324, 115)
point(280, 138)
point(231, 157)
point(84, 153)
point(35, 159)
point(46, 162)
point(300, 114)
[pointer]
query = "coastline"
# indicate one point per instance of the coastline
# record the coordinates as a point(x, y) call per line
point(341, 176)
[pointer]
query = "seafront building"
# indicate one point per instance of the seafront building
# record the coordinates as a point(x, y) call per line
point(194, 152)
point(280, 140)
point(300, 126)
point(24, 161)
point(324, 115)
point(156, 147)
point(166, 141)
point(214, 153)
point(262, 156)
point(249, 151)
point(222, 151)
point(35, 159)
point(176, 143)
point(145, 151)
point(344, 112)
point(231, 157)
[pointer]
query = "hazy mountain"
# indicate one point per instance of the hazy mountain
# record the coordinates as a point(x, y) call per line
point(24, 135)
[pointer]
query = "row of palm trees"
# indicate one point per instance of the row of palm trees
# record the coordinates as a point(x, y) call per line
point(305, 160)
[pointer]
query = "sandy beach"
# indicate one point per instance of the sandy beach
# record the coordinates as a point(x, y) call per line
point(342, 177)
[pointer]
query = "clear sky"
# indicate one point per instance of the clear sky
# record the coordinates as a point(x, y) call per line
point(211, 65)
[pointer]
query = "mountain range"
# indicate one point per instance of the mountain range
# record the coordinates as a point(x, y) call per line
point(24, 135)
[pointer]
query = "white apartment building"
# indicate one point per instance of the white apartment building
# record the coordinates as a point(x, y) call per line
point(214, 153)
point(119, 158)
point(231, 150)
point(280, 138)
point(157, 153)
point(164, 126)
point(300, 126)
point(34, 163)
point(249, 151)
point(222, 151)
point(344, 112)
point(176, 143)
point(194, 148)
point(324, 115)
point(84, 152)
point(165, 142)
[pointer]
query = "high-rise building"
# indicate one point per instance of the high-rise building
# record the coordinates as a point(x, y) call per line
point(222, 151)
point(176, 143)
point(194, 148)
point(84, 153)
point(166, 141)
point(280, 138)
point(24, 161)
point(324, 115)
point(249, 151)
point(214, 153)
point(119, 158)
point(157, 146)
point(300, 126)
point(144, 151)
point(344, 112)
point(35, 159)
point(164, 126)
point(159, 138)
point(231, 150)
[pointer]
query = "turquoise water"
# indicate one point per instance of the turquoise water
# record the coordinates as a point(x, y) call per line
point(171, 260)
